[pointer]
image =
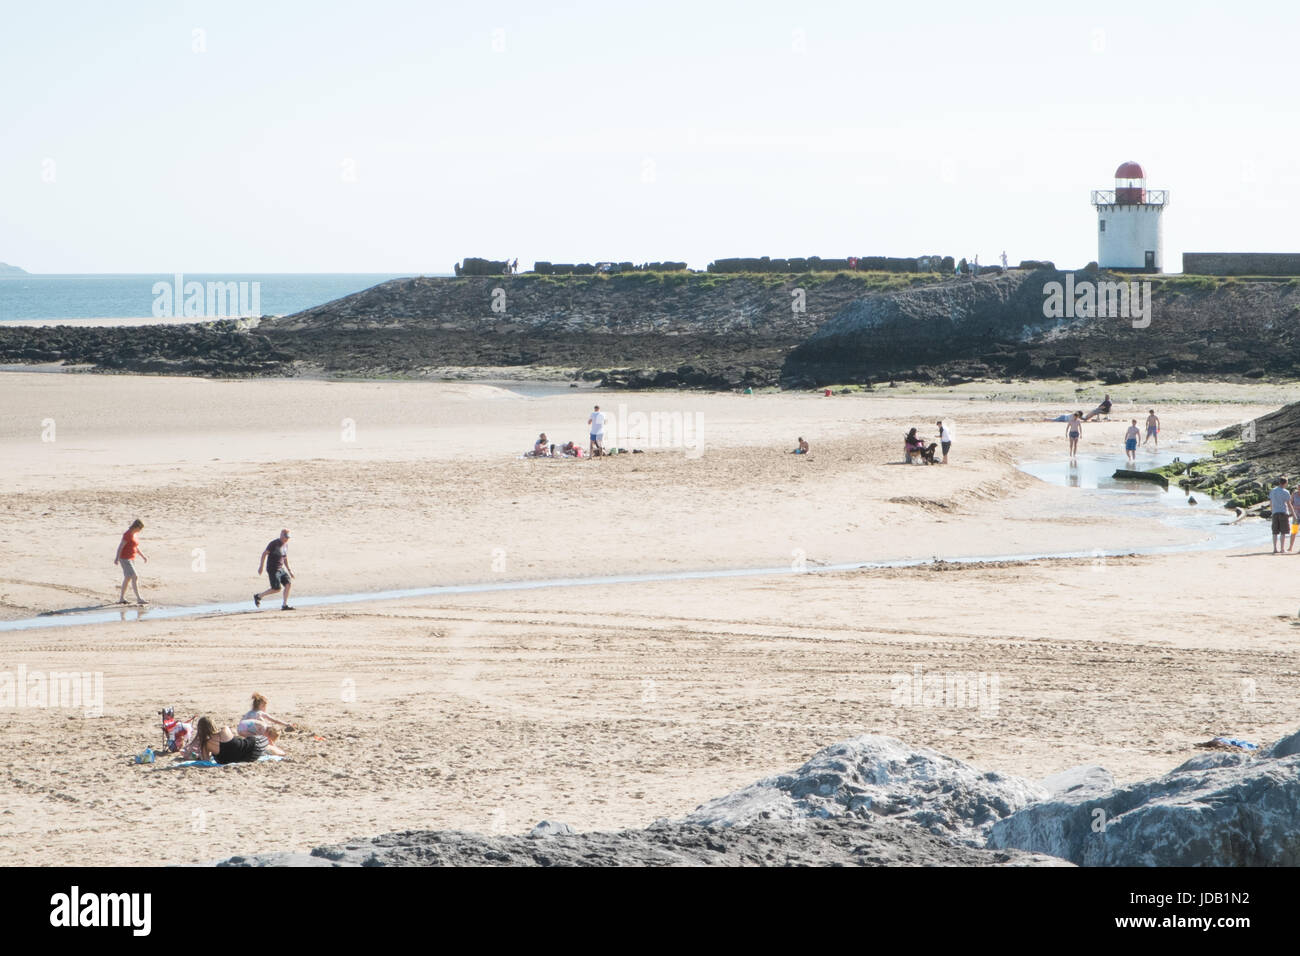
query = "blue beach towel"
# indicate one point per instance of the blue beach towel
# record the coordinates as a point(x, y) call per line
point(213, 763)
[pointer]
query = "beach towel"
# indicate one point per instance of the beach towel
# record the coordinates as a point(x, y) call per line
point(1227, 743)
point(213, 763)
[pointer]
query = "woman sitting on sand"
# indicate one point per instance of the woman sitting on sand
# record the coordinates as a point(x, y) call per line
point(803, 447)
point(258, 721)
point(541, 447)
point(225, 746)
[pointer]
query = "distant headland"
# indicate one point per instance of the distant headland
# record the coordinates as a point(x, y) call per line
point(7, 270)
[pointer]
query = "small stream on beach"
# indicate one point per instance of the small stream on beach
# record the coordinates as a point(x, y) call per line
point(1090, 473)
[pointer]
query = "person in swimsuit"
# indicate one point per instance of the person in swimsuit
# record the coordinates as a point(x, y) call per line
point(1153, 428)
point(258, 721)
point(1074, 431)
point(803, 447)
point(275, 558)
point(128, 550)
point(1131, 441)
point(224, 746)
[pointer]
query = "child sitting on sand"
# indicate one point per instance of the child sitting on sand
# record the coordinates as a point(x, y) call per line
point(258, 722)
point(803, 447)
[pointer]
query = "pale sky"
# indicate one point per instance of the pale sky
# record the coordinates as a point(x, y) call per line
point(392, 136)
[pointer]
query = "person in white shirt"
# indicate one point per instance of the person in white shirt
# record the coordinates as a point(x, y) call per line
point(596, 424)
point(945, 439)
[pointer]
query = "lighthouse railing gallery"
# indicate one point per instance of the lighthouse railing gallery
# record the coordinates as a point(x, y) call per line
point(1106, 197)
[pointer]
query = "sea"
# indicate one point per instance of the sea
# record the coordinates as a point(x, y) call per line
point(168, 296)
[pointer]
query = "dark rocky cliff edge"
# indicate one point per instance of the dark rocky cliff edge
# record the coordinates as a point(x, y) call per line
point(995, 327)
point(672, 330)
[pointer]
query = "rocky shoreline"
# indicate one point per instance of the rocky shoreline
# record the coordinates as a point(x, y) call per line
point(874, 801)
point(731, 331)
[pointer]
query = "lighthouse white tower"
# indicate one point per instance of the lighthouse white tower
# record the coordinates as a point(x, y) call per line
point(1129, 231)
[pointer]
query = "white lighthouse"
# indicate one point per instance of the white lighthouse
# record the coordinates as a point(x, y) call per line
point(1129, 231)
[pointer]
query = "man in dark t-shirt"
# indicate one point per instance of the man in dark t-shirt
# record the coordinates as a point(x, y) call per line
point(275, 559)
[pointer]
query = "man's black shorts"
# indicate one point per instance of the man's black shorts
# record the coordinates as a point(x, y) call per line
point(279, 578)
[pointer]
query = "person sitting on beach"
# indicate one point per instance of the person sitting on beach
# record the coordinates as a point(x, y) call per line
point(803, 447)
point(1102, 409)
point(541, 447)
point(915, 446)
point(258, 721)
point(224, 746)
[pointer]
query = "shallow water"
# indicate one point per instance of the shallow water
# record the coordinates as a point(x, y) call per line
point(1090, 474)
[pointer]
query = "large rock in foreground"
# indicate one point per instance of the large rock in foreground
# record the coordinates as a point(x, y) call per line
point(842, 842)
point(1217, 809)
point(874, 776)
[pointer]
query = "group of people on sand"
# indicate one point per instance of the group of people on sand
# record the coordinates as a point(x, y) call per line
point(1284, 508)
point(1074, 430)
point(274, 560)
point(915, 447)
point(255, 736)
point(545, 448)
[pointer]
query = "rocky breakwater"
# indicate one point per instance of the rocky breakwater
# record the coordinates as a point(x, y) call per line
point(1015, 325)
point(228, 347)
point(637, 330)
point(875, 801)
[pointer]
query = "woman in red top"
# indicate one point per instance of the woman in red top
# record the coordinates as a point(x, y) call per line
point(127, 552)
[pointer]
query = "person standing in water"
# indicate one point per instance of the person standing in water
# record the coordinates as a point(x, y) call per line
point(127, 551)
point(1074, 431)
point(1131, 441)
point(1153, 428)
point(275, 558)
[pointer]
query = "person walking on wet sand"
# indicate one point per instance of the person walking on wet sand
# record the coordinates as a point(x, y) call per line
point(128, 550)
point(1153, 428)
point(1074, 431)
point(1279, 500)
point(275, 558)
point(1131, 441)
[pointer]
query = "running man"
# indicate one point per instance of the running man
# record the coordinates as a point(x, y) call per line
point(596, 426)
point(1074, 431)
point(945, 440)
point(1279, 500)
point(275, 558)
point(1131, 441)
point(1153, 428)
point(127, 551)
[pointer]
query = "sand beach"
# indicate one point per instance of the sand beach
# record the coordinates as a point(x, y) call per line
point(602, 706)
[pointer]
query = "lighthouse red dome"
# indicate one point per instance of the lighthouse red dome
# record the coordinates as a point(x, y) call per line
point(1130, 170)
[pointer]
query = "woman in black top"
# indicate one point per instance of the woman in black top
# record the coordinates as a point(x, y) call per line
point(225, 746)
